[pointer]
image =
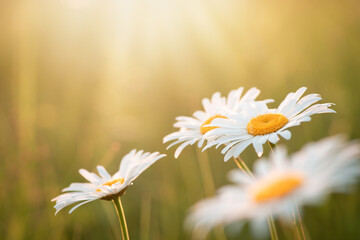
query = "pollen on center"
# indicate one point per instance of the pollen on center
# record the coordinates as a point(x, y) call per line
point(203, 129)
point(266, 123)
point(277, 188)
point(109, 183)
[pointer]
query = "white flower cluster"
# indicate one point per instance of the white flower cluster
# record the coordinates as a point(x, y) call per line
point(237, 122)
point(277, 185)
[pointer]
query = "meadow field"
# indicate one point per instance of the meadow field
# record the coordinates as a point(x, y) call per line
point(82, 82)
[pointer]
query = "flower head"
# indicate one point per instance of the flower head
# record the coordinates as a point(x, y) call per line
point(192, 129)
point(256, 123)
point(307, 176)
point(105, 186)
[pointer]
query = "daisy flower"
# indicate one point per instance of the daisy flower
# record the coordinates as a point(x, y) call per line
point(192, 129)
point(256, 123)
point(329, 165)
point(105, 186)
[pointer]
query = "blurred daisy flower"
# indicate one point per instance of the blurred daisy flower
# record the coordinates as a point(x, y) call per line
point(105, 186)
point(256, 123)
point(307, 176)
point(192, 129)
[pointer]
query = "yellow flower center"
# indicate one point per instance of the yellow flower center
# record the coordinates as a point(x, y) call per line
point(266, 123)
point(109, 183)
point(278, 188)
point(203, 129)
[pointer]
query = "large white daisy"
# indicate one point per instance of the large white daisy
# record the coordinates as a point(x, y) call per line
point(329, 165)
point(105, 186)
point(192, 129)
point(256, 123)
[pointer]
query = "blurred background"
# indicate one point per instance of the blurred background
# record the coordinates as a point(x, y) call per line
point(85, 81)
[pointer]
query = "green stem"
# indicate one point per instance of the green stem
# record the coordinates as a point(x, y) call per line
point(272, 228)
point(272, 150)
point(298, 224)
point(122, 220)
point(300, 221)
point(296, 227)
point(242, 165)
point(209, 185)
point(206, 174)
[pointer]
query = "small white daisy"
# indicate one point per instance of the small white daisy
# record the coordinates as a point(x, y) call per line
point(307, 176)
point(256, 123)
point(192, 129)
point(105, 186)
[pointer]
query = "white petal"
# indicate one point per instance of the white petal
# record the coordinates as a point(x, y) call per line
point(240, 147)
point(285, 134)
point(258, 148)
point(80, 204)
point(262, 139)
point(180, 148)
point(274, 138)
point(103, 173)
point(91, 177)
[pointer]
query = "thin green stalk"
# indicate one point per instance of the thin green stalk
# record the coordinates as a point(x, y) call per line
point(273, 232)
point(296, 212)
point(121, 216)
point(288, 232)
point(272, 228)
point(272, 150)
point(206, 174)
point(237, 162)
point(242, 165)
point(300, 221)
point(296, 228)
point(246, 167)
point(209, 185)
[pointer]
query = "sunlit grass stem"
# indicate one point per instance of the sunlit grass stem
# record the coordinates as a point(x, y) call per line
point(297, 223)
point(296, 228)
point(121, 216)
point(208, 183)
point(243, 167)
point(205, 171)
point(302, 226)
point(272, 228)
